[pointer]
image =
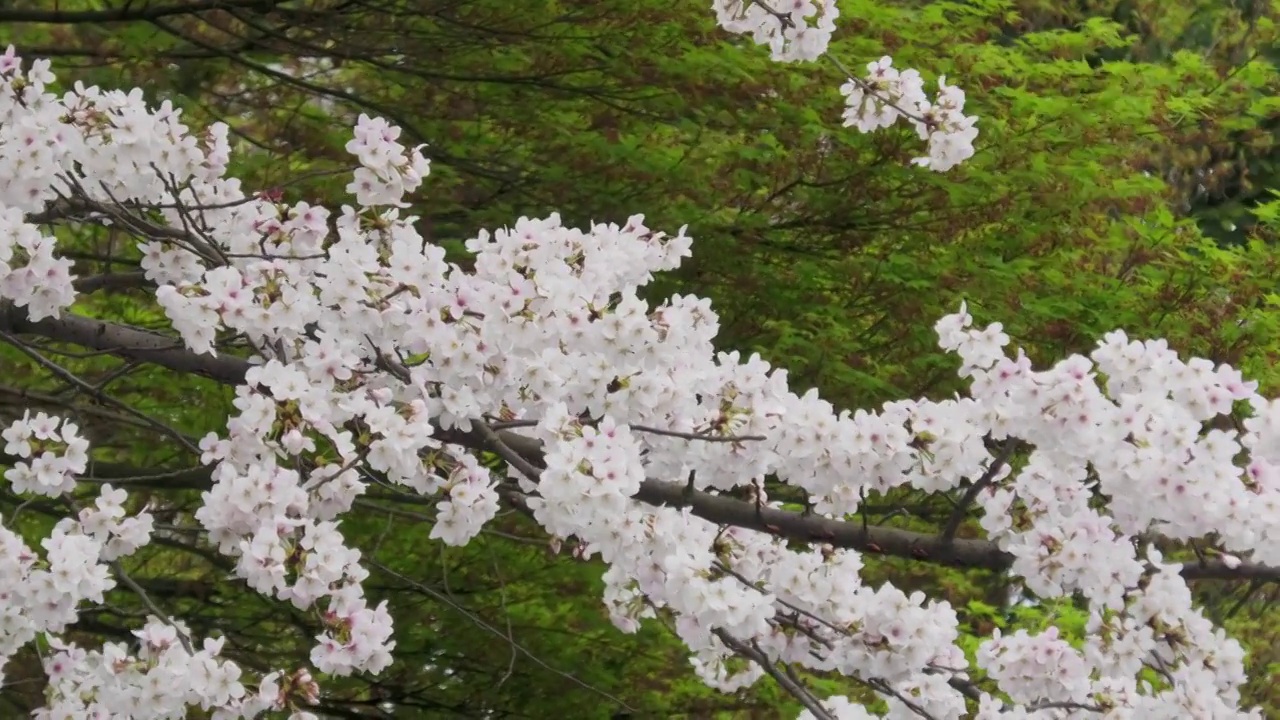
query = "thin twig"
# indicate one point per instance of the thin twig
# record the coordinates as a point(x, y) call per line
point(441, 597)
point(69, 377)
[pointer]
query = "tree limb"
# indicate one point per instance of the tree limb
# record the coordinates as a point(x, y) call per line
point(168, 352)
point(126, 342)
point(146, 12)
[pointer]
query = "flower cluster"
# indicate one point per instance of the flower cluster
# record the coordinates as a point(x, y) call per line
point(472, 502)
point(874, 102)
point(888, 94)
point(107, 523)
point(163, 679)
point(1031, 668)
point(30, 275)
point(356, 638)
point(43, 594)
point(386, 170)
point(783, 25)
point(52, 455)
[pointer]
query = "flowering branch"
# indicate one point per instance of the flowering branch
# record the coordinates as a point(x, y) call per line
point(786, 680)
point(375, 361)
point(982, 483)
point(524, 453)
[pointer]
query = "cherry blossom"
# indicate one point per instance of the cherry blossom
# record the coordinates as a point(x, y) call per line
point(367, 343)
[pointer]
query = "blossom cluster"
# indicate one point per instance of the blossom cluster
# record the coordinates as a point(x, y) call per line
point(31, 276)
point(783, 25)
point(163, 679)
point(52, 453)
point(371, 347)
point(42, 594)
point(888, 94)
point(874, 102)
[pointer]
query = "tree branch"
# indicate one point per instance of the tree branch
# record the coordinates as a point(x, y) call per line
point(957, 517)
point(786, 681)
point(146, 12)
point(168, 352)
point(126, 342)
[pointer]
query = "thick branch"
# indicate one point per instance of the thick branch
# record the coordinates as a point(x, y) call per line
point(795, 525)
point(113, 281)
point(126, 342)
point(138, 344)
